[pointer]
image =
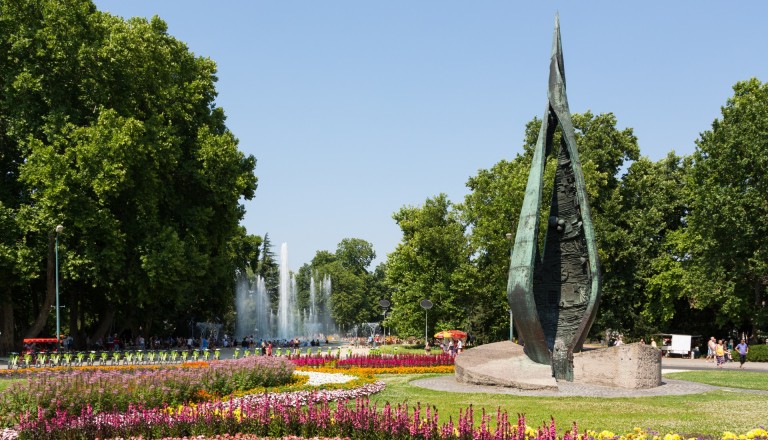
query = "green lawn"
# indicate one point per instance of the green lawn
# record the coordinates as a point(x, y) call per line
point(726, 378)
point(402, 349)
point(708, 414)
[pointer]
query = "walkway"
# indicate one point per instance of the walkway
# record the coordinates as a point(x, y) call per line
point(669, 386)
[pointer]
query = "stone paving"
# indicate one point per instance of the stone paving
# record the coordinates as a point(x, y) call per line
point(668, 387)
point(565, 389)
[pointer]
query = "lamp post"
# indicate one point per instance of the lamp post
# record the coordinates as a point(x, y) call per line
point(511, 317)
point(59, 228)
point(426, 305)
point(384, 306)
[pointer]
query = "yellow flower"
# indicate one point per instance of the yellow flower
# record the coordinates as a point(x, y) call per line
point(728, 435)
point(608, 434)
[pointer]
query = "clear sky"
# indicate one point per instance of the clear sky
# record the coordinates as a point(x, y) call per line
point(355, 109)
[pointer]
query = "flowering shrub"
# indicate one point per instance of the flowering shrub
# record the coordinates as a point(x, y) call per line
point(75, 390)
point(445, 369)
point(398, 360)
point(376, 361)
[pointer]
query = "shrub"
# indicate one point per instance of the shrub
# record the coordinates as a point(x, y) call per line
point(757, 353)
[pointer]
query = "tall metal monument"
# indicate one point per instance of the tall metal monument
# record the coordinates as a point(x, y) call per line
point(554, 293)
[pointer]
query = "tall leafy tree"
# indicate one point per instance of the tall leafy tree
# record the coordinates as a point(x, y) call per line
point(423, 265)
point(351, 299)
point(726, 257)
point(355, 254)
point(492, 208)
point(649, 210)
point(112, 131)
point(269, 269)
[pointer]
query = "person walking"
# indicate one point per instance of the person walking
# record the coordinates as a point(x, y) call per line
point(720, 353)
point(711, 344)
point(743, 349)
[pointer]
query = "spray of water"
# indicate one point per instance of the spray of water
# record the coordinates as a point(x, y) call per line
point(256, 318)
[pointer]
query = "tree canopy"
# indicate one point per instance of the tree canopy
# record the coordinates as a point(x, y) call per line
point(109, 127)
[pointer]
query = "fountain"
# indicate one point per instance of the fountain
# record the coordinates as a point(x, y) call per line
point(256, 316)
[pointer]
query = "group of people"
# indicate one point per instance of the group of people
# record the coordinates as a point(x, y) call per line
point(451, 347)
point(719, 351)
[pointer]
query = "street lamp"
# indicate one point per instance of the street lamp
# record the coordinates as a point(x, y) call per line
point(384, 306)
point(511, 317)
point(426, 305)
point(59, 228)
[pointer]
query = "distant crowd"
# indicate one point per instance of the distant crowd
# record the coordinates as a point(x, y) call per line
point(115, 343)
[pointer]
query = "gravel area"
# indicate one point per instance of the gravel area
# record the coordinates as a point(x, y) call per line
point(316, 378)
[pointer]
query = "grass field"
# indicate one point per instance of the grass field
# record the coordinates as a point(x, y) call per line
point(403, 349)
point(728, 378)
point(699, 414)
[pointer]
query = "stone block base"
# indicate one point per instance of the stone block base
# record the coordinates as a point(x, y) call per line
point(503, 364)
point(633, 366)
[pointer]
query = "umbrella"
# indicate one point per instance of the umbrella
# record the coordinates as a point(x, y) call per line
point(451, 334)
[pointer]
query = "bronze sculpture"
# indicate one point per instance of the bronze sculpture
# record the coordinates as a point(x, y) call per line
point(554, 296)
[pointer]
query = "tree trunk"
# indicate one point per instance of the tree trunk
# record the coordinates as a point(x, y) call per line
point(45, 309)
point(74, 311)
point(106, 322)
point(756, 318)
point(6, 323)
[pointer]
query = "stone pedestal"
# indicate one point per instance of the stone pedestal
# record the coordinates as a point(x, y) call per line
point(627, 366)
point(505, 364)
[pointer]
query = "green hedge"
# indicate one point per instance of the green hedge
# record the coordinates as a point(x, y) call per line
point(757, 353)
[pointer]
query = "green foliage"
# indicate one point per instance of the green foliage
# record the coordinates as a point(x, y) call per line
point(269, 269)
point(355, 254)
point(721, 252)
point(757, 353)
point(110, 128)
point(351, 299)
point(425, 266)
point(647, 213)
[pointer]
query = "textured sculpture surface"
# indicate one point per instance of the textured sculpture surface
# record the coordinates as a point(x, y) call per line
point(554, 294)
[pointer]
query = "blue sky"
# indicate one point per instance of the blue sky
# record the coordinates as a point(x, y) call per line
point(354, 109)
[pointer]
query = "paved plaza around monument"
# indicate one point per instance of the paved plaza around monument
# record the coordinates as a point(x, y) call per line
point(567, 389)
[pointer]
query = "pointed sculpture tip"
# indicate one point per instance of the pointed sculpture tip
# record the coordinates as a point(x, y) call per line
point(557, 49)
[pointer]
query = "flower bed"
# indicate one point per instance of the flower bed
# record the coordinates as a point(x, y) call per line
point(445, 369)
point(376, 361)
point(97, 390)
point(313, 417)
